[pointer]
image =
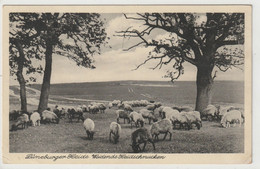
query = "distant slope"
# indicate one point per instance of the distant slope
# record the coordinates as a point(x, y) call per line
point(181, 92)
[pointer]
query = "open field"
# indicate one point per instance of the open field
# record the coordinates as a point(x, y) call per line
point(71, 137)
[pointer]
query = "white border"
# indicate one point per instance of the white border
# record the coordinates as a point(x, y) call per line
point(256, 79)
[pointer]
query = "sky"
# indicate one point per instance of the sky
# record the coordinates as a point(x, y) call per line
point(116, 64)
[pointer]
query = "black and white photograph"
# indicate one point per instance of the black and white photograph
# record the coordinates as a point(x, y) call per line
point(128, 82)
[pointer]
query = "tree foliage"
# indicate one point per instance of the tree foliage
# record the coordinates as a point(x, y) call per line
point(200, 39)
point(23, 47)
point(75, 35)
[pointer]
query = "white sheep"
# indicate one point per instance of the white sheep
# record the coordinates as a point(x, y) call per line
point(49, 116)
point(36, 119)
point(22, 120)
point(137, 119)
point(148, 114)
point(164, 126)
point(231, 117)
point(222, 110)
point(209, 112)
point(110, 105)
point(170, 113)
point(193, 117)
point(84, 108)
point(115, 129)
point(89, 126)
point(128, 108)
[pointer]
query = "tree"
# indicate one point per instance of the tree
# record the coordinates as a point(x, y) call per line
point(22, 50)
point(77, 36)
point(202, 40)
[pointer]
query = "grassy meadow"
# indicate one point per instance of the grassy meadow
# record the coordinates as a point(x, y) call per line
point(68, 137)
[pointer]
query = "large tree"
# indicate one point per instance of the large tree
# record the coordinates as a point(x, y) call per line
point(77, 36)
point(22, 50)
point(202, 40)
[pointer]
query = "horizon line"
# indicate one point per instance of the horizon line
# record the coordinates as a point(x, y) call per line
point(129, 81)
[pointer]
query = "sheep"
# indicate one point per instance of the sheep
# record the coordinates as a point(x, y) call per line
point(101, 107)
point(93, 108)
point(110, 105)
point(141, 136)
point(153, 106)
point(209, 112)
point(122, 114)
point(57, 111)
point(137, 119)
point(14, 114)
point(84, 108)
point(222, 110)
point(231, 116)
point(163, 126)
point(128, 108)
point(22, 120)
point(48, 116)
point(116, 102)
point(193, 118)
point(169, 113)
point(35, 118)
point(115, 129)
point(89, 126)
point(120, 106)
point(182, 120)
point(148, 114)
point(75, 113)
point(160, 110)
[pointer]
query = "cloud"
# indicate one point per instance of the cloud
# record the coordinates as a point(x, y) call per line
point(116, 64)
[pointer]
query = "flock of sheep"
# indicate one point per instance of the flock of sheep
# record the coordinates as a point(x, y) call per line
point(163, 121)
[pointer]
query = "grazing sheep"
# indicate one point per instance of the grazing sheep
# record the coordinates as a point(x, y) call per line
point(57, 111)
point(110, 105)
point(137, 119)
point(141, 136)
point(128, 108)
point(193, 118)
point(48, 116)
point(22, 120)
point(182, 120)
point(36, 119)
point(209, 112)
point(101, 107)
point(222, 110)
point(93, 108)
point(153, 106)
point(14, 114)
point(231, 117)
point(115, 129)
point(89, 126)
point(163, 126)
point(84, 108)
point(170, 113)
point(75, 114)
point(147, 114)
point(160, 110)
point(123, 115)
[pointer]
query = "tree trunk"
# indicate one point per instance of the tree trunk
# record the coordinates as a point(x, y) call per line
point(20, 77)
point(204, 85)
point(22, 91)
point(45, 90)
